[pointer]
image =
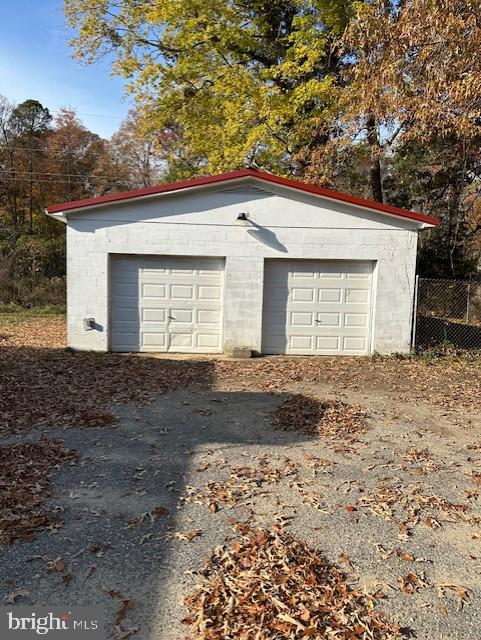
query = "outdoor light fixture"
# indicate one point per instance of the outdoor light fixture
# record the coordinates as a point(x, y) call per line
point(242, 220)
point(89, 324)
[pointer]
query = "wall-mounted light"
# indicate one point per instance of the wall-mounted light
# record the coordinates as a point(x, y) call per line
point(89, 324)
point(242, 220)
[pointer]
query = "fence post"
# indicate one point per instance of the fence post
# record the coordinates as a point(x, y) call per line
point(415, 313)
point(467, 303)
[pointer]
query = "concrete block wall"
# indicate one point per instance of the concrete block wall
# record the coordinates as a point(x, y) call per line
point(203, 224)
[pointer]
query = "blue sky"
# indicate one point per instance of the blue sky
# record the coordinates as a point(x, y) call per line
point(36, 62)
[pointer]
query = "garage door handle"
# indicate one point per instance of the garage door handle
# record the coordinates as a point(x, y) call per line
point(319, 321)
point(171, 317)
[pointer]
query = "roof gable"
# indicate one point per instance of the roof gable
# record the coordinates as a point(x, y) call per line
point(235, 176)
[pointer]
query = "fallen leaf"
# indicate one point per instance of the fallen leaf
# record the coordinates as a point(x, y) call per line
point(188, 536)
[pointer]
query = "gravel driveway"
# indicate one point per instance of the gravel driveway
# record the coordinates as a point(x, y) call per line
point(139, 521)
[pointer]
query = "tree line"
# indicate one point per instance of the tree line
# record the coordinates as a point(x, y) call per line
point(379, 98)
point(43, 160)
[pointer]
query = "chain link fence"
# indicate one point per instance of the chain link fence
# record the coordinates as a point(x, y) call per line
point(447, 311)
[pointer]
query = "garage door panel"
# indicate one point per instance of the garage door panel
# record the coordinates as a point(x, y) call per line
point(358, 276)
point(329, 319)
point(130, 314)
point(300, 343)
point(126, 306)
point(316, 307)
point(149, 290)
point(328, 343)
point(182, 272)
point(355, 319)
point(356, 295)
point(208, 316)
point(275, 304)
point(355, 343)
point(360, 268)
point(208, 341)
point(154, 339)
point(125, 327)
point(150, 272)
point(272, 343)
point(125, 290)
point(180, 316)
point(330, 295)
point(209, 293)
point(276, 296)
point(151, 314)
point(212, 272)
point(302, 318)
point(166, 304)
point(274, 269)
point(125, 277)
point(127, 341)
point(181, 292)
point(299, 273)
point(184, 340)
point(305, 294)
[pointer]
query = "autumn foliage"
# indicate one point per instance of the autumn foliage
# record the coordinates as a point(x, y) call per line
point(271, 585)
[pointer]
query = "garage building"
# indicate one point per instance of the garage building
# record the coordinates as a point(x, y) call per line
point(242, 260)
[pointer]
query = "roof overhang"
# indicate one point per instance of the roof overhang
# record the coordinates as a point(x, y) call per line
point(60, 211)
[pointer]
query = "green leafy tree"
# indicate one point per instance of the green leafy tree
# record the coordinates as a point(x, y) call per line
point(238, 82)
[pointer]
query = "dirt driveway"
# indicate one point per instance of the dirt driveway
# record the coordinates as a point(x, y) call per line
point(395, 505)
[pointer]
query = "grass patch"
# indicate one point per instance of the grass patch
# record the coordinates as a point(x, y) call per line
point(16, 312)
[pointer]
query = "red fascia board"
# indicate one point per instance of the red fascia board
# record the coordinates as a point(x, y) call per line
point(242, 173)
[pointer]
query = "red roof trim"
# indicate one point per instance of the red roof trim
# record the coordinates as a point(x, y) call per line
point(243, 173)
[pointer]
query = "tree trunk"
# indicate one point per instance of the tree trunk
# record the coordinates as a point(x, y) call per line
point(30, 195)
point(375, 175)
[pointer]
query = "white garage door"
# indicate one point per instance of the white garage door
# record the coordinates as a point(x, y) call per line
point(166, 304)
point(317, 307)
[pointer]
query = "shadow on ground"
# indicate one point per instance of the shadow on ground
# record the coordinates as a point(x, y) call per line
point(120, 503)
point(433, 331)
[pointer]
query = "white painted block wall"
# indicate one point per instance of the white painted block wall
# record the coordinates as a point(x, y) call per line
point(202, 223)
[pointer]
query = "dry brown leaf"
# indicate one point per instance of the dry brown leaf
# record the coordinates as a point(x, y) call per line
point(121, 634)
point(329, 418)
point(11, 598)
point(462, 593)
point(270, 585)
point(25, 482)
point(189, 535)
point(49, 385)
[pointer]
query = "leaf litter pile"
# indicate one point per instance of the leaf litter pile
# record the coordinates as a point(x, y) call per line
point(413, 504)
point(51, 386)
point(41, 383)
point(311, 416)
point(24, 484)
point(244, 482)
point(273, 586)
point(267, 585)
point(452, 382)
